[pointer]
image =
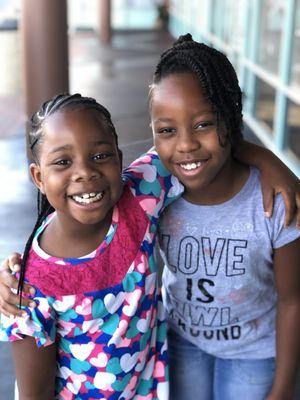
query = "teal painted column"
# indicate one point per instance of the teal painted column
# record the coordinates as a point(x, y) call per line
point(284, 75)
point(252, 55)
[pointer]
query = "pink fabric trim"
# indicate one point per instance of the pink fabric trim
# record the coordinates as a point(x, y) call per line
point(106, 269)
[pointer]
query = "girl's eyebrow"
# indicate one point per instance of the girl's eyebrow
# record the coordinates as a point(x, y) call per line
point(68, 146)
point(162, 120)
point(60, 148)
point(197, 115)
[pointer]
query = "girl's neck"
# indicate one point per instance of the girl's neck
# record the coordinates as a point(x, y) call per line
point(226, 184)
point(65, 241)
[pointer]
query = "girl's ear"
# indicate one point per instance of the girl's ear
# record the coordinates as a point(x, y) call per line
point(36, 176)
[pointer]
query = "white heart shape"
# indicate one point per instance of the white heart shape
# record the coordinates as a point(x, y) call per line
point(148, 171)
point(133, 300)
point(82, 351)
point(161, 312)
point(65, 372)
point(112, 302)
point(150, 282)
point(103, 380)
point(66, 304)
point(74, 386)
point(84, 308)
point(128, 361)
point(176, 189)
point(162, 390)
point(148, 370)
point(100, 360)
point(143, 323)
point(92, 326)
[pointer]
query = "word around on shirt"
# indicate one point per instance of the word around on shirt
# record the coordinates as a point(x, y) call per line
point(191, 254)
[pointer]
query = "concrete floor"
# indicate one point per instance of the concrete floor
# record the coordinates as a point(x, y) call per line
point(117, 76)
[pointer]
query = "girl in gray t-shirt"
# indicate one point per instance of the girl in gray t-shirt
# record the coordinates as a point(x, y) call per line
point(231, 282)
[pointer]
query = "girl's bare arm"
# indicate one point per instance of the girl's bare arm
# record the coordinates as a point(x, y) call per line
point(276, 177)
point(35, 369)
point(287, 277)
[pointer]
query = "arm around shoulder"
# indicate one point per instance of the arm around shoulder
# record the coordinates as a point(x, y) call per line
point(276, 177)
point(35, 369)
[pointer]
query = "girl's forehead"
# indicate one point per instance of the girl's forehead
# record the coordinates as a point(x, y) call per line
point(76, 125)
point(182, 89)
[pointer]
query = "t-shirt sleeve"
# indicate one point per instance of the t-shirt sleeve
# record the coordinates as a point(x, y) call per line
point(39, 323)
point(279, 234)
point(152, 183)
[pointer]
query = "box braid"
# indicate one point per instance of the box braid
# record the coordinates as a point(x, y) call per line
point(217, 79)
point(35, 137)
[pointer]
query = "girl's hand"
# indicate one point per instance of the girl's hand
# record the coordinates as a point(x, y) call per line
point(277, 178)
point(9, 302)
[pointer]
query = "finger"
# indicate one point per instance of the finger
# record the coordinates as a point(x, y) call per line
point(10, 310)
point(10, 303)
point(290, 207)
point(268, 200)
point(8, 280)
point(14, 261)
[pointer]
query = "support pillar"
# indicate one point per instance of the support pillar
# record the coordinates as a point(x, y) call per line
point(45, 50)
point(105, 21)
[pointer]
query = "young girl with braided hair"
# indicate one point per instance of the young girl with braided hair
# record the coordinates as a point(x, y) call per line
point(148, 181)
point(98, 328)
point(231, 279)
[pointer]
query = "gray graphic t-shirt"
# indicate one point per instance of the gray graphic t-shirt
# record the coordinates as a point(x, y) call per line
point(218, 283)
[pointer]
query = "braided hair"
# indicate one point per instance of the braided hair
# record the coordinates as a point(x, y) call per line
point(35, 137)
point(216, 77)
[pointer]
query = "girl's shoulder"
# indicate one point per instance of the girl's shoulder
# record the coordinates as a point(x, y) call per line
point(152, 183)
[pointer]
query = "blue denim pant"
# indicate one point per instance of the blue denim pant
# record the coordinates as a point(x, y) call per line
point(196, 375)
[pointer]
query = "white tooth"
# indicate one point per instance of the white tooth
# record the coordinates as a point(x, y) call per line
point(191, 166)
point(86, 199)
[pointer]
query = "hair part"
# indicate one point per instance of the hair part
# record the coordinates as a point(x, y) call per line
point(59, 103)
point(217, 79)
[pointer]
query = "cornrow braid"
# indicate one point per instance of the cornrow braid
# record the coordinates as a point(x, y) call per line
point(62, 102)
point(35, 136)
point(216, 77)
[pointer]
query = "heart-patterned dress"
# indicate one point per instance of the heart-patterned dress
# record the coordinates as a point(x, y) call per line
point(104, 310)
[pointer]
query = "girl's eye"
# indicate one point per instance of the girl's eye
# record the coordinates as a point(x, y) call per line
point(204, 125)
point(165, 131)
point(101, 156)
point(62, 162)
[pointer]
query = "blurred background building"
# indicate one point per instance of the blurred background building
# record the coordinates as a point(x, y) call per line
point(261, 37)
point(107, 49)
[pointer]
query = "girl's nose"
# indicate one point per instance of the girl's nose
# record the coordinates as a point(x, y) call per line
point(85, 171)
point(187, 141)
